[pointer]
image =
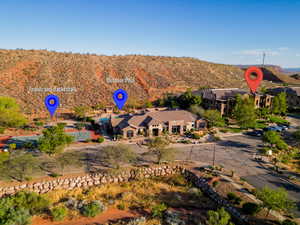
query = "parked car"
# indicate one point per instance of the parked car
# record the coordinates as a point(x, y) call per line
point(273, 128)
point(255, 133)
point(284, 127)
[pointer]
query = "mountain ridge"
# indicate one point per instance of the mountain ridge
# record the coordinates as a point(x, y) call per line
point(22, 70)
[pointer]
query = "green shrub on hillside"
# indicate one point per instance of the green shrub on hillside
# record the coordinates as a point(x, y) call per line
point(158, 210)
point(59, 213)
point(100, 140)
point(18, 209)
point(251, 208)
point(92, 209)
point(10, 114)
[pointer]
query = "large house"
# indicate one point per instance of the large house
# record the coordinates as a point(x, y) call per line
point(223, 99)
point(292, 95)
point(156, 123)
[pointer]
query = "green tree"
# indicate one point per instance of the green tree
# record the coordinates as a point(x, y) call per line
point(214, 118)
point(79, 126)
point(288, 222)
point(195, 109)
point(187, 99)
point(271, 137)
point(10, 114)
point(99, 106)
point(296, 135)
point(170, 101)
point(158, 147)
point(68, 159)
point(80, 112)
point(275, 199)
point(148, 104)
point(114, 155)
point(251, 208)
point(3, 157)
point(274, 138)
point(282, 102)
point(219, 217)
point(54, 140)
point(244, 112)
point(12, 146)
point(279, 104)
point(263, 112)
point(19, 166)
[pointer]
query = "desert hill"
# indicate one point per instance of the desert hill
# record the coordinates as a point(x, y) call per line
point(22, 70)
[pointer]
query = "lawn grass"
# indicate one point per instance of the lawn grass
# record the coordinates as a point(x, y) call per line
point(278, 120)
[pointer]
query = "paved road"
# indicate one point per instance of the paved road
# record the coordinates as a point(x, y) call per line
point(236, 153)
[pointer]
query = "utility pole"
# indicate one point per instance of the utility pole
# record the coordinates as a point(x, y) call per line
point(264, 56)
point(191, 151)
point(214, 155)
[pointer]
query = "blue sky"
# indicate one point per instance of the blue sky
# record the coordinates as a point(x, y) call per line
point(234, 32)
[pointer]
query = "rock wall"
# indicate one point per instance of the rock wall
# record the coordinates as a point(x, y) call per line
point(202, 184)
point(91, 180)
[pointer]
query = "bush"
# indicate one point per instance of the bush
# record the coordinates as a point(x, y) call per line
point(100, 140)
point(288, 222)
point(215, 183)
point(92, 209)
point(39, 123)
point(59, 213)
point(35, 203)
point(18, 216)
point(18, 209)
point(219, 217)
point(196, 136)
point(278, 120)
point(251, 208)
point(115, 155)
point(12, 146)
point(2, 129)
point(177, 180)
point(233, 198)
point(158, 210)
point(121, 206)
point(54, 175)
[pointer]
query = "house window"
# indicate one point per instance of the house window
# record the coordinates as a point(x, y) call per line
point(130, 134)
point(202, 125)
point(175, 129)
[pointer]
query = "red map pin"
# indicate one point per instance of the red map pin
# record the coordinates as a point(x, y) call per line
point(253, 83)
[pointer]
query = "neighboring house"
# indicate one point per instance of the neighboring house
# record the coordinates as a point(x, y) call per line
point(223, 99)
point(292, 95)
point(156, 123)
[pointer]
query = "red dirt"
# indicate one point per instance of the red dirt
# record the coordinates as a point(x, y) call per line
point(109, 214)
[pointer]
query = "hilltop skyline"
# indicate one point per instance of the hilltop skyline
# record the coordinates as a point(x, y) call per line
point(226, 32)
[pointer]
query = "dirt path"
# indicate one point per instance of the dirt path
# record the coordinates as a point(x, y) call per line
point(109, 215)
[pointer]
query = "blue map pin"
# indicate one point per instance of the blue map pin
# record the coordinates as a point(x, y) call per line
point(52, 102)
point(120, 97)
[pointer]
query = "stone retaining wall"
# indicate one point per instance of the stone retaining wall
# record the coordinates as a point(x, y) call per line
point(202, 184)
point(90, 180)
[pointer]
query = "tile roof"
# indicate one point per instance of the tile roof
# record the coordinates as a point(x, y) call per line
point(289, 90)
point(220, 94)
point(156, 117)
